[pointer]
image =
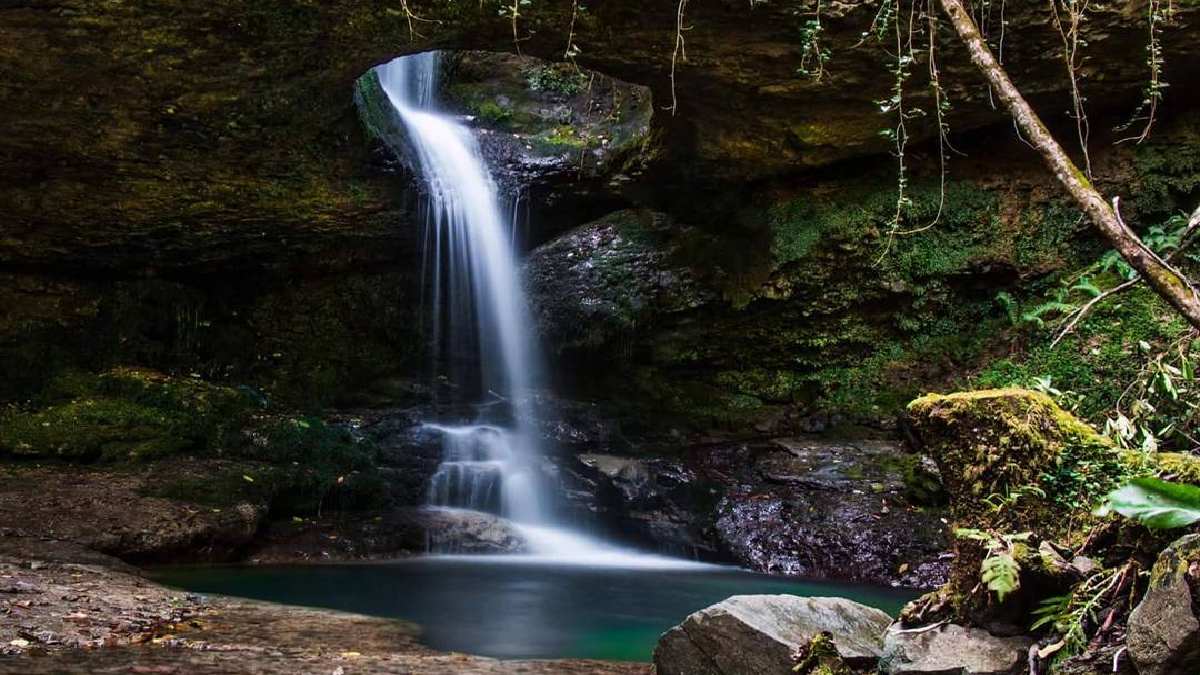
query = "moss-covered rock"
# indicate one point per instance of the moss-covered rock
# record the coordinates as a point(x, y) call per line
point(1164, 629)
point(125, 414)
point(1178, 466)
point(1013, 463)
point(1019, 447)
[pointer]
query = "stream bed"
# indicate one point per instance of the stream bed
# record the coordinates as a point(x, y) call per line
point(516, 608)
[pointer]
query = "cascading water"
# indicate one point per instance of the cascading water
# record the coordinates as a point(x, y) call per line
point(475, 287)
point(483, 466)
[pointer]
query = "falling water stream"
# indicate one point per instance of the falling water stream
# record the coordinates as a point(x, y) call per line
point(478, 294)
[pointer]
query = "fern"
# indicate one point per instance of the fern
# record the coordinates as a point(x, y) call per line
point(1085, 285)
point(1001, 572)
point(1051, 611)
point(1009, 304)
point(1034, 316)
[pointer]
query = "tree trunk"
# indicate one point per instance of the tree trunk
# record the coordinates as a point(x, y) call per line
point(1164, 279)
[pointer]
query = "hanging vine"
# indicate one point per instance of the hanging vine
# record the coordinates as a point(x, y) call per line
point(941, 106)
point(513, 12)
point(572, 49)
point(412, 17)
point(1068, 17)
point(813, 55)
point(1158, 13)
point(898, 134)
point(679, 52)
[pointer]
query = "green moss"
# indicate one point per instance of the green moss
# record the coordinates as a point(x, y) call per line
point(557, 78)
point(1099, 359)
point(124, 415)
point(292, 466)
point(310, 442)
point(859, 219)
point(1178, 466)
point(560, 138)
point(493, 113)
point(289, 490)
point(1168, 169)
point(1013, 462)
point(820, 656)
point(1002, 442)
point(375, 111)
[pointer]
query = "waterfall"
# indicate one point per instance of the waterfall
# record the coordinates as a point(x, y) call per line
point(478, 296)
point(484, 468)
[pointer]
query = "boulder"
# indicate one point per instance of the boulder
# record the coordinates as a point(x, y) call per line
point(748, 634)
point(462, 531)
point(952, 650)
point(829, 509)
point(1009, 442)
point(1164, 629)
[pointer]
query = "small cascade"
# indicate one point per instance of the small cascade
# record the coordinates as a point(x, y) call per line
point(481, 471)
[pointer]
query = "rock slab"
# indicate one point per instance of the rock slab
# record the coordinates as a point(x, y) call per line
point(1164, 629)
point(952, 650)
point(753, 634)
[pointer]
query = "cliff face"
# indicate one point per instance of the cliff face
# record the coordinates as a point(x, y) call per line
point(175, 134)
point(178, 150)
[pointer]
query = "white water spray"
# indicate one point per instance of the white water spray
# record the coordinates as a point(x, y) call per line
point(484, 468)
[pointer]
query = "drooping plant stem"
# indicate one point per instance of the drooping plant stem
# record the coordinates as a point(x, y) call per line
point(1168, 282)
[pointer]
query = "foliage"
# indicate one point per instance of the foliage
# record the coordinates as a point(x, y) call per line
point(1157, 504)
point(293, 465)
point(493, 113)
point(1072, 614)
point(999, 571)
point(124, 414)
point(1034, 316)
point(556, 78)
point(813, 54)
point(819, 656)
point(1128, 364)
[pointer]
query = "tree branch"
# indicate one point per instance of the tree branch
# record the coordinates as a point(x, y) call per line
point(1172, 286)
point(1080, 313)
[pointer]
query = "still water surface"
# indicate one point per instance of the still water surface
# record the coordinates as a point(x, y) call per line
point(514, 608)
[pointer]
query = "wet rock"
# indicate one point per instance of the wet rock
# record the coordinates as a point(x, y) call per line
point(602, 280)
point(952, 650)
point(572, 426)
point(759, 633)
point(409, 454)
point(1164, 629)
point(819, 508)
point(631, 477)
point(649, 502)
point(460, 531)
point(828, 509)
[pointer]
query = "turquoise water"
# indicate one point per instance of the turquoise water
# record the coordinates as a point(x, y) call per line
point(515, 609)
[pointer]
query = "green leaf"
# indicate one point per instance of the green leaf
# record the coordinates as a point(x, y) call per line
point(1001, 574)
point(1050, 610)
point(1155, 503)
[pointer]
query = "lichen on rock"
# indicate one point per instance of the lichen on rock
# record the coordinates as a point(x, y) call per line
point(124, 414)
point(1013, 463)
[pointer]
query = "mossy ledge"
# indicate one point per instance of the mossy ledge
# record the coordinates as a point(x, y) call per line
point(1012, 461)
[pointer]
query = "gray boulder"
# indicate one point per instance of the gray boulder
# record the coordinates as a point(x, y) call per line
point(753, 634)
point(462, 531)
point(952, 650)
point(1164, 630)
